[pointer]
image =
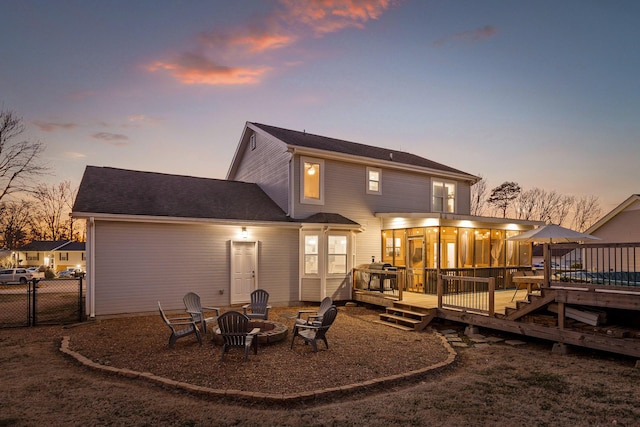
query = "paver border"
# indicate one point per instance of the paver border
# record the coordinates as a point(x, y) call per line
point(259, 397)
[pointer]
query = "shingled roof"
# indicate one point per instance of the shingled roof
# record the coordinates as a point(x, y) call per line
point(105, 190)
point(309, 140)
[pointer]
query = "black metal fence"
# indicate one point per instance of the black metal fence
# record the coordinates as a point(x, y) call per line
point(39, 302)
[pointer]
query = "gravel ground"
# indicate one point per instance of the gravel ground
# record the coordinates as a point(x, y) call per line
point(488, 385)
point(276, 368)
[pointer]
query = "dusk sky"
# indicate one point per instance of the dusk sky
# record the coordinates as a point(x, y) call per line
point(543, 93)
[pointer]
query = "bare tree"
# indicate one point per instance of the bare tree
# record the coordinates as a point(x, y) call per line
point(15, 222)
point(526, 204)
point(587, 212)
point(503, 195)
point(19, 158)
point(479, 197)
point(52, 210)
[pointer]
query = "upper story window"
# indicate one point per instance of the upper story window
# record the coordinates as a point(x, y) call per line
point(374, 181)
point(312, 181)
point(444, 196)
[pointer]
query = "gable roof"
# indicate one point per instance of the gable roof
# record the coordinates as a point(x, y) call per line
point(105, 190)
point(608, 217)
point(309, 140)
point(329, 218)
point(46, 245)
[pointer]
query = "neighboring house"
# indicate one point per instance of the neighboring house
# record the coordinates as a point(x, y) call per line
point(55, 254)
point(296, 213)
point(621, 225)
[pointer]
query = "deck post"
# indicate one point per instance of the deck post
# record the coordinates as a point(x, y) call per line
point(439, 290)
point(561, 315)
point(492, 296)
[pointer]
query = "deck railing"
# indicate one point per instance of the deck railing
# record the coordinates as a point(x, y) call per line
point(472, 294)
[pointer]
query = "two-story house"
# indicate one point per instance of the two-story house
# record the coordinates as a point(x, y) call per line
point(54, 254)
point(295, 214)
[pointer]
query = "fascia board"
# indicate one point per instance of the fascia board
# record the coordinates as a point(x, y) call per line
point(176, 220)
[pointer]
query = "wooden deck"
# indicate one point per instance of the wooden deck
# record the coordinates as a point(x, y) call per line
point(542, 314)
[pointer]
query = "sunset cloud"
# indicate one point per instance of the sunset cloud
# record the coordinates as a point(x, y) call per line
point(329, 16)
point(116, 139)
point(236, 56)
point(479, 34)
point(75, 155)
point(52, 126)
point(191, 68)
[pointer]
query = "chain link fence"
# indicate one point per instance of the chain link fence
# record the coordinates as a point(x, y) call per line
point(47, 301)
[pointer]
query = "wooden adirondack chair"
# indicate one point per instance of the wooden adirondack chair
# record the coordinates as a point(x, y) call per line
point(194, 308)
point(259, 306)
point(233, 327)
point(180, 327)
point(312, 333)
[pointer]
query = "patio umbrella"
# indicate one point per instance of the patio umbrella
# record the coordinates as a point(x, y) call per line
point(552, 233)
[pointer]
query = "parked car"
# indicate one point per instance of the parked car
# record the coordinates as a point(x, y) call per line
point(70, 273)
point(541, 264)
point(15, 275)
point(35, 271)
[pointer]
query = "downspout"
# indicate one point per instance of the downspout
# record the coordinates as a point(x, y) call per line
point(91, 270)
point(291, 211)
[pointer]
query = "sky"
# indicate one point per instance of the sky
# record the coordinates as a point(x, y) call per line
point(543, 93)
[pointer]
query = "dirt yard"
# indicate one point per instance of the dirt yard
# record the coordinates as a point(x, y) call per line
point(488, 384)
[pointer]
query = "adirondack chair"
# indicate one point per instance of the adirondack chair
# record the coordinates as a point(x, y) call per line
point(233, 327)
point(194, 308)
point(259, 307)
point(180, 327)
point(312, 333)
point(314, 316)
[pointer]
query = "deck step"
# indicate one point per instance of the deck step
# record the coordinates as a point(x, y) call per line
point(394, 325)
point(401, 319)
point(405, 317)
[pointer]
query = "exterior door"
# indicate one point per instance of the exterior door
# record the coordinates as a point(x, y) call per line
point(415, 264)
point(244, 271)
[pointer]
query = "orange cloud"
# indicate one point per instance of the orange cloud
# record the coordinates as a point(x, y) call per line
point(478, 34)
point(279, 29)
point(52, 127)
point(329, 16)
point(193, 68)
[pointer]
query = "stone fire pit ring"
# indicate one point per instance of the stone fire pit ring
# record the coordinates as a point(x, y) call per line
point(270, 331)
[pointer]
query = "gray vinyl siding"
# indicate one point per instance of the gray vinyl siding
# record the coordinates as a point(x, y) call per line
point(138, 264)
point(267, 166)
point(339, 289)
point(310, 289)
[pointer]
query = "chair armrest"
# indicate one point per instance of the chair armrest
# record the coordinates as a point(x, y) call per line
point(180, 318)
point(192, 312)
point(172, 323)
point(254, 331)
point(216, 309)
point(301, 312)
point(307, 326)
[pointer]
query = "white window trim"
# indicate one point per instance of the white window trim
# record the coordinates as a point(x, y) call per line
point(303, 199)
point(320, 236)
point(455, 195)
point(371, 169)
point(346, 258)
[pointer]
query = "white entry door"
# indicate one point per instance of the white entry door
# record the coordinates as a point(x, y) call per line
point(244, 271)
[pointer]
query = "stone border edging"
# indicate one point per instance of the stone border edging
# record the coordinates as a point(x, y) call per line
point(257, 396)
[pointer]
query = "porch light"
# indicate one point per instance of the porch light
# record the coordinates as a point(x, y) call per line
point(244, 233)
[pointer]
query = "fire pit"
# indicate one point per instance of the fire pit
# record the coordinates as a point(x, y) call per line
point(270, 332)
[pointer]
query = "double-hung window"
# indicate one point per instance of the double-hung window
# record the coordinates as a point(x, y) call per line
point(312, 181)
point(374, 181)
point(337, 254)
point(444, 196)
point(311, 254)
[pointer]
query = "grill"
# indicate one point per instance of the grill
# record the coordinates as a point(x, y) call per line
point(378, 276)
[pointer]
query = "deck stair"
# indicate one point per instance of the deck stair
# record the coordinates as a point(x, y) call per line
point(406, 317)
point(532, 303)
